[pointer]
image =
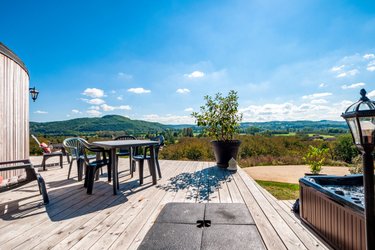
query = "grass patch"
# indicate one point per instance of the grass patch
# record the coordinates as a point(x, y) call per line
point(282, 191)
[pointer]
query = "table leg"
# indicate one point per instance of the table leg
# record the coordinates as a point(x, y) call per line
point(114, 171)
point(153, 165)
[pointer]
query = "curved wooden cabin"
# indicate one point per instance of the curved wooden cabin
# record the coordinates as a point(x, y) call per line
point(14, 109)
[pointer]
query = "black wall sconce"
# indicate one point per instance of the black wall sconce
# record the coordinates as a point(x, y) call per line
point(34, 93)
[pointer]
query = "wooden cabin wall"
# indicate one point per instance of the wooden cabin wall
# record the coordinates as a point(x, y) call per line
point(14, 113)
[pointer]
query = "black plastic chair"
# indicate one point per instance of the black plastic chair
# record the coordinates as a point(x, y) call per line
point(31, 175)
point(142, 157)
point(93, 166)
point(126, 151)
point(74, 148)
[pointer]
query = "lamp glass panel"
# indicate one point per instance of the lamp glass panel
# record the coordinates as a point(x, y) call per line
point(368, 129)
point(354, 129)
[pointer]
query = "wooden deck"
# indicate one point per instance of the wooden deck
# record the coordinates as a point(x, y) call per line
point(74, 220)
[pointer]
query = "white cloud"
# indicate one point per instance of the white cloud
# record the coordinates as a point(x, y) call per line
point(40, 112)
point(369, 56)
point(337, 68)
point(371, 94)
point(119, 98)
point(189, 110)
point(290, 112)
point(322, 85)
point(94, 108)
point(195, 74)
point(316, 95)
point(319, 101)
point(371, 66)
point(139, 90)
point(96, 101)
point(183, 91)
point(352, 72)
point(93, 92)
point(106, 107)
point(168, 119)
point(353, 86)
point(93, 112)
point(76, 111)
point(124, 76)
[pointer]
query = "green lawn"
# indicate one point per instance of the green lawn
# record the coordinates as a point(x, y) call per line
point(282, 191)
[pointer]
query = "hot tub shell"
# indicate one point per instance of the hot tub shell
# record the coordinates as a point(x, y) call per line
point(335, 218)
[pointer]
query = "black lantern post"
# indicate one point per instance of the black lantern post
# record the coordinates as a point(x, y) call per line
point(360, 117)
point(34, 93)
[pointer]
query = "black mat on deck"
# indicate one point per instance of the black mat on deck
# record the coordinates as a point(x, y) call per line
point(203, 226)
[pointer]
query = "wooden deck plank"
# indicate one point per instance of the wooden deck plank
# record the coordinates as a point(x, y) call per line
point(193, 190)
point(269, 235)
point(180, 196)
point(233, 190)
point(214, 196)
point(224, 194)
point(308, 240)
point(287, 235)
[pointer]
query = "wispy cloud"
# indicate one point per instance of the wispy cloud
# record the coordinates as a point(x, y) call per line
point(351, 72)
point(40, 112)
point(119, 98)
point(353, 86)
point(337, 68)
point(168, 119)
point(371, 66)
point(369, 56)
point(189, 110)
point(93, 92)
point(95, 101)
point(139, 90)
point(371, 94)
point(93, 112)
point(195, 74)
point(183, 91)
point(106, 107)
point(124, 76)
point(323, 85)
point(76, 111)
point(316, 95)
point(319, 101)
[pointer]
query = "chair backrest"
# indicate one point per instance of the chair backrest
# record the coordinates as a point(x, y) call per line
point(86, 146)
point(74, 147)
point(161, 140)
point(123, 138)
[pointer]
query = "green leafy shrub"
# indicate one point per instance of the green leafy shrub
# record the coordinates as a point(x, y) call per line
point(315, 158)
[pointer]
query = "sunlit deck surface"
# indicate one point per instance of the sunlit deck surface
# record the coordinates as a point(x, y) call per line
point(75, 220)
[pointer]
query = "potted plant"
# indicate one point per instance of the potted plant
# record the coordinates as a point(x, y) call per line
point(220, 119)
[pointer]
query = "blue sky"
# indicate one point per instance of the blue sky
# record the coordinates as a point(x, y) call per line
point(155, 60)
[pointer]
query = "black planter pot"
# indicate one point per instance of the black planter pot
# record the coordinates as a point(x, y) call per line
point(224, 151)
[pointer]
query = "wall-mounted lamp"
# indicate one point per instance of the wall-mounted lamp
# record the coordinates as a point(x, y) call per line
point(34, 93)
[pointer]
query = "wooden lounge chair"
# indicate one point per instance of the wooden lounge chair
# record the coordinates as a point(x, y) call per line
point(31, 175)
point(47, 153)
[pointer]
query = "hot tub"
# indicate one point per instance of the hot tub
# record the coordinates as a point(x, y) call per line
point(333, 207)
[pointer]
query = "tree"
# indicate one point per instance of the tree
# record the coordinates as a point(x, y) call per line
point(344, 148)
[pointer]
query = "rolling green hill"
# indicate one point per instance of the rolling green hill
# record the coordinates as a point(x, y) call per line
point(89, 126)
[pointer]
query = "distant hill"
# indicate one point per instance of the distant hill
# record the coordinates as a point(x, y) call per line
point(116, 123)
point(81, 126)
point(297, 125)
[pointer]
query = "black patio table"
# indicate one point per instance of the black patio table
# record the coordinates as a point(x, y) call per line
point(113, 145)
